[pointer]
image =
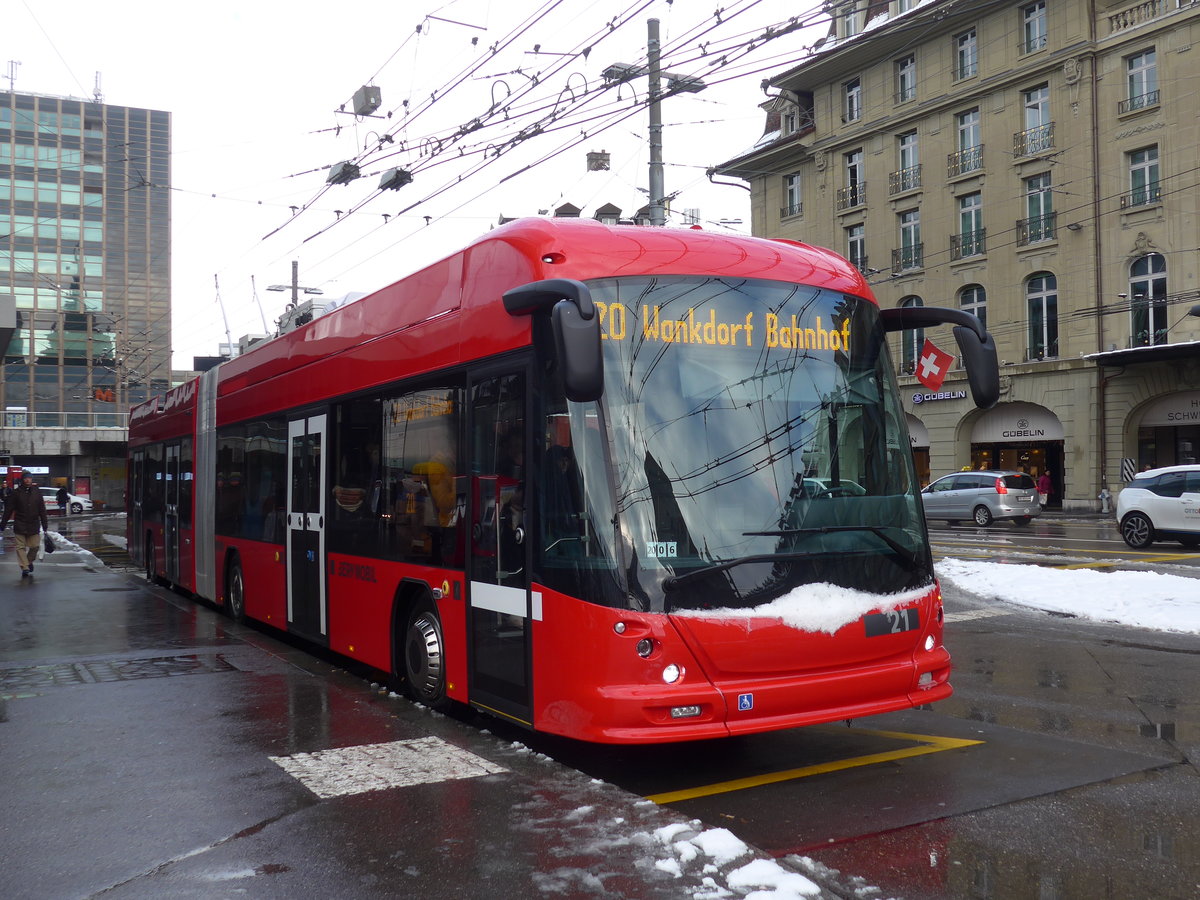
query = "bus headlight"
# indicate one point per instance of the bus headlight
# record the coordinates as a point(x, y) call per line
point(929, 642)
point(672, 673)
point(645, 647)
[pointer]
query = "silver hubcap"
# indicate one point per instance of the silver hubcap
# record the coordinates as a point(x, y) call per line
point(423, 655)
point(236, 593)
point(1137, 531)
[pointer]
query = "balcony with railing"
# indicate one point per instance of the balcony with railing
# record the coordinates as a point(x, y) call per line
point(791, 210)
point(1147, 100)
point(851, 196)
point(1032, 44)
point(969, 243)
point(1033, 141)
point(904, 180)
point(906, 259)
point(1137, 14)
point(860, 263)
point(964, 161)
point(1149, 195)
point(1036, 229)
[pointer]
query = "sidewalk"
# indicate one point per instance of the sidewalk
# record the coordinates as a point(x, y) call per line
point(153, 748)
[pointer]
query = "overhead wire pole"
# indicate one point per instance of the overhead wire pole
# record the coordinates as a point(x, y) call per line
point(658, 191)
point(676, 84)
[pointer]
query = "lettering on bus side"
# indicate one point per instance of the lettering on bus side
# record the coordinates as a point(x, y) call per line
point(356, 571)
point(706, 330)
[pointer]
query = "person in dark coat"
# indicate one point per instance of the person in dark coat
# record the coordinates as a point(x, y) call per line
point(63, 498)
point(27, 509)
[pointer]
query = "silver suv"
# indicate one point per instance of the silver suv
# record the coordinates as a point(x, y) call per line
point(1162, 504)
point(982, 497)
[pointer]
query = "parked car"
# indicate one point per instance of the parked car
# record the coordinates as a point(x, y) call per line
point(824, 487)
point(1161, 504)
point(75, 503)
point(982, 497)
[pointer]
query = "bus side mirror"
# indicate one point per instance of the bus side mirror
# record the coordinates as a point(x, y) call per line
point(983, 371)
point(974, 341)
point(576, 329)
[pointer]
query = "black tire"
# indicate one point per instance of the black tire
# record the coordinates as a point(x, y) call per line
point(1137, 531)
point(1022, 520)
point(235, 591)
point(982, 516)
point(77, 507)
point(425, 657)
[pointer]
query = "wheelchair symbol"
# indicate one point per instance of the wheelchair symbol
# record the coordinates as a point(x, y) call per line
point(745, 701)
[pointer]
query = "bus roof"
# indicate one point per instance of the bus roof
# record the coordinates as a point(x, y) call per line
point(450, 310)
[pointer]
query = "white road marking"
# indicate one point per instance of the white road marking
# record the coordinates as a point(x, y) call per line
point(975, 614)
point(376, 767)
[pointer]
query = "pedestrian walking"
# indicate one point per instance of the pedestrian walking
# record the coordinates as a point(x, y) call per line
point(1045, 486)
point(63, 499)
point(27, 509)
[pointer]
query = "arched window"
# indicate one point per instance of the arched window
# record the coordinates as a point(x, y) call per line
point(1041, 295)
point(1148, 300)
point(973, 299)
point(912, 341)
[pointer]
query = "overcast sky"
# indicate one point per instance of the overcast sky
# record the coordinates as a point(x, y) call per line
point(254, 90)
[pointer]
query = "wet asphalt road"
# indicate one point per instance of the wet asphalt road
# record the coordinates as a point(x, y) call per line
point(1062, 768)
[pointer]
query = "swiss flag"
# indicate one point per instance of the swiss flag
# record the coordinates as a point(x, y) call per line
point(933, 365)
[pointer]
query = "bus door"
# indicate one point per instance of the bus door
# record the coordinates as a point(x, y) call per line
point(135, 495)
point(501, 605)
point(307, 613)
point(171, 513)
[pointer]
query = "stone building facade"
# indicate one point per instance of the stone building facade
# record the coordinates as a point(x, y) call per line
point(1032, 163)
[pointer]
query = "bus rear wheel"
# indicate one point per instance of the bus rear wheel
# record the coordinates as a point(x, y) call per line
point(424, 657)
point(235, 593)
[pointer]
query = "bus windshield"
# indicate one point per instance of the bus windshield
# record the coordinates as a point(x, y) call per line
point(750, 440)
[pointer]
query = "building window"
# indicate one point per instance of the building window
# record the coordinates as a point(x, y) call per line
point(856, 247)
point(903, 6)
point(970, 238)
point(854, 193)
point(966, 62)
point(1141, 72)
point(911, 252)
point(1038, 136)
point(1041, 296)
point(1033, 22)
point(906, 79)
point(791, 196)
point(973, 299)
point(849, 19)
point(969, 156)
point(1144, 188)
point(852, 95)
point(1148, 300)
point(908, 176)
point(911, 342)
point(1038, 225)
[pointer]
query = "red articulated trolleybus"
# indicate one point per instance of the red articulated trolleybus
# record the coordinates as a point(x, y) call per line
point(621, 484)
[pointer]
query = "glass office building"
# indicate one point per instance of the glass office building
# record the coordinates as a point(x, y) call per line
point(85, 247)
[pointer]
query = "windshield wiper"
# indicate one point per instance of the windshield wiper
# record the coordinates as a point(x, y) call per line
point(673, 581)
point(903, 552)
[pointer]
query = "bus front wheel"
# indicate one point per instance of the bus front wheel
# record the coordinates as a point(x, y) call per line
point(424, 657)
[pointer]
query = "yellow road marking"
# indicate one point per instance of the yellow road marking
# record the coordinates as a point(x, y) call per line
point(929, 744)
